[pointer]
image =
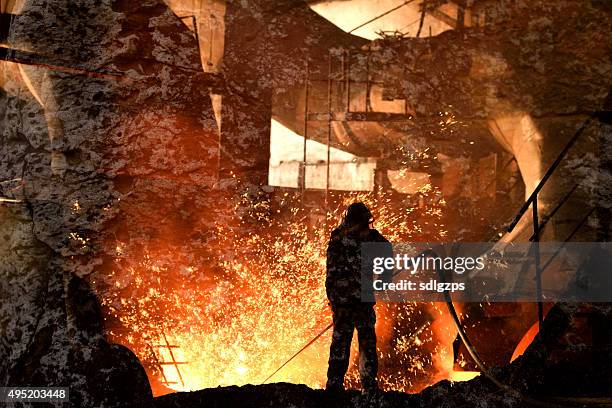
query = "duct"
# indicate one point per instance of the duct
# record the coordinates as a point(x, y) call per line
point(261, 65)
point(519, 134)
point(371, 118)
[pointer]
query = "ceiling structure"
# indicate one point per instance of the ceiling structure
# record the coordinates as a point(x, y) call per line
point(396, 15)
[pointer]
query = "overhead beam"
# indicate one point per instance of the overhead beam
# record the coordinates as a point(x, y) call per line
point(443, 17)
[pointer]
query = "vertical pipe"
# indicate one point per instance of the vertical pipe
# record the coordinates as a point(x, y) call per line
point(538, 270)
point(367, 102)
point(348, 80)
point(213, 23)
point(306, 113)
point(195, 30)
point(329, 130)
point(423, 12)
point(341, 83)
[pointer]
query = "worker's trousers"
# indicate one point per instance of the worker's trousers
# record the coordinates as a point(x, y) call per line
point(346, 320)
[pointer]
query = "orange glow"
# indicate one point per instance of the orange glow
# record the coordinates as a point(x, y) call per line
point(262, 297)
point(525, 341)
point(445, 332)
point(457, 376)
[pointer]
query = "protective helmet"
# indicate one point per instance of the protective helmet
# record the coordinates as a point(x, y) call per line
point(358, 213)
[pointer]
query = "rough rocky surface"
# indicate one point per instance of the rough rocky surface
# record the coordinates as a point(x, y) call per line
point(98, 148)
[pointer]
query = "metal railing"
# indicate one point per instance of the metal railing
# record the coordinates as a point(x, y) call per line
point(162, 363)
point(532, 202)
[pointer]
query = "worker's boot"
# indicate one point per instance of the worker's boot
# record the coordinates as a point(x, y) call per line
point(334, 387)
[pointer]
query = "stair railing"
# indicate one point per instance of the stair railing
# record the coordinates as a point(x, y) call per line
point(532, 202)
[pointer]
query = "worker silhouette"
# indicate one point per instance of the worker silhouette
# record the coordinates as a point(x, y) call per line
point(343, 288)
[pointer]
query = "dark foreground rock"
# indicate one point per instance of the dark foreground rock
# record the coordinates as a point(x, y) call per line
point(444, 394)
point(475, 393)
point(275, 395)
point(553, 372)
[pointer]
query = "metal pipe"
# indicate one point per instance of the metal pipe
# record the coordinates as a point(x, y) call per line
point(569, 237)
point(348, 80)
point(304, 160)
point(329, 130)
point(549, 216)
point(367, 102)
point(315, 338)
point(538, 271)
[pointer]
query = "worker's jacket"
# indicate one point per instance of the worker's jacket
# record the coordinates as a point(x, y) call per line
point(344, 265)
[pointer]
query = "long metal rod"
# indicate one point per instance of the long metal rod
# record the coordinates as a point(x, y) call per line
point(538, 270)
point(367, 101)
point(569, 237)
point(329, 130)
point(212, 37)
point(476, 357)
point(550, 171)
point(381, 15)
point(549, 216)
point(10, 181)
point(322, 332)
point(348, 80)
point(306, 113)
point(422, 19)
